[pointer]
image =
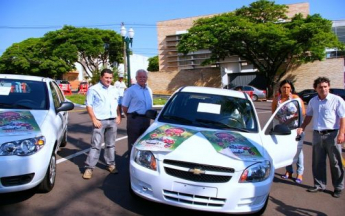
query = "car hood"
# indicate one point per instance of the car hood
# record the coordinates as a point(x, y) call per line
point(22, 123)
point(169, 141)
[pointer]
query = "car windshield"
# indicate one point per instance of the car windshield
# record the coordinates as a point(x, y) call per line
point(210, 111)
point(23, 94)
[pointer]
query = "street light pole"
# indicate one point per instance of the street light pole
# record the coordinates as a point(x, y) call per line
point(128, 40)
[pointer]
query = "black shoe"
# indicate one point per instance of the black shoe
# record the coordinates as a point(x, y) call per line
point(315, 190)
point(336, 193)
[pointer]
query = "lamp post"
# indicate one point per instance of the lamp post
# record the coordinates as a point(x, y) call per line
point(127, 41)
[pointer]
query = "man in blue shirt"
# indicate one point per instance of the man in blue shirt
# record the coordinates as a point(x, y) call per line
point(328, 113)
point(102, 107)
point(136, 101)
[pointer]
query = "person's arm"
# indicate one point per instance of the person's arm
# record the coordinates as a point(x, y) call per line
point(274, 105)
point(124, 109)
point(118, 119)
point(341, 137)
point(302, 103)
point(94, 120)
point(304, 125)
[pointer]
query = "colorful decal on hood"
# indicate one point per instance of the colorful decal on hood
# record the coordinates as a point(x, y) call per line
point(17, 122)
point(165, 138)
point(231, 144)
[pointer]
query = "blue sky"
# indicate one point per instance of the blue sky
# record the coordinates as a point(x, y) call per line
point(23, 19)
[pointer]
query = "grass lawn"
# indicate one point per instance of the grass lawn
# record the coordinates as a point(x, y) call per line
point(80, 99)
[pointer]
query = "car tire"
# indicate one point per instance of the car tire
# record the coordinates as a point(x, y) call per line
point(49, 179)
point(64, 140)
point(255, 97)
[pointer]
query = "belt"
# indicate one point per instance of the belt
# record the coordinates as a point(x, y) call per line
point(325, 131)
point(108, 119)
point(136, 114)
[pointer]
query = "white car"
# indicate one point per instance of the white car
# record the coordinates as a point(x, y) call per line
point(206, 151)
point(33, 125)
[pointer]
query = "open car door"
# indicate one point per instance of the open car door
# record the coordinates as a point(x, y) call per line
point(280, 133)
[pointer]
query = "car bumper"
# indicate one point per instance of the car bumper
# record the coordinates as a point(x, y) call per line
point(16, 171)
point(229, 197)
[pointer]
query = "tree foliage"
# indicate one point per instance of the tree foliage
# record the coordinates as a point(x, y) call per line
point(153, 64)
point(260, 35)
point(28, 58)
point(58, 51)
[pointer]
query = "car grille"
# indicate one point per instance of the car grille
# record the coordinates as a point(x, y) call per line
point(193, 173)
point(17, 180)
point(191, 199)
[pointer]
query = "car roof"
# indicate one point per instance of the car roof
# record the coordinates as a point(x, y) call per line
point(213, 91)
point(25, 77)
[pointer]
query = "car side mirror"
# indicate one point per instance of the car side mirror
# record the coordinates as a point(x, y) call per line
point(65, 106)
point(151, 114)
point(280, 129)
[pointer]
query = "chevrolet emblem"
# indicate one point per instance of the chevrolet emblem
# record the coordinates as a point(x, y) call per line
point(197, 171)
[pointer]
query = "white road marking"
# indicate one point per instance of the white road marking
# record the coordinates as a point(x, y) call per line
point(82, 152)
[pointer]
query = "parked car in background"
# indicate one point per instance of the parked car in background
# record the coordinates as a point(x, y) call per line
point(65, 86)
point(304, 92)
point(33, 126)
point(254, 93)
point(207, 151)
point(337, 91)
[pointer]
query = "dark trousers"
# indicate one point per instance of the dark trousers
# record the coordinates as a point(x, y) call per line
point(136, 126)
point(324, 145)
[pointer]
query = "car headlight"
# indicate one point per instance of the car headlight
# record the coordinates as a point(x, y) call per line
point(145, 159)
point(22, 147)
point(256, 172)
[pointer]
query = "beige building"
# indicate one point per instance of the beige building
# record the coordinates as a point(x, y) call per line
point(178, 70)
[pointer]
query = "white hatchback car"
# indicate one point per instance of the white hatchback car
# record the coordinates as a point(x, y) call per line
point(33, 125)
point(206, 151)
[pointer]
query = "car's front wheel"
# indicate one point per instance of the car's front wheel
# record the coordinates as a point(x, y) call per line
point(49, 179)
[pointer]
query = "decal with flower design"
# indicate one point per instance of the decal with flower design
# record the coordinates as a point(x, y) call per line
point(165, 138)
point(17, 122)
point(231, 144)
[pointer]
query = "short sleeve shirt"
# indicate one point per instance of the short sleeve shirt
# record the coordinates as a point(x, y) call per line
point(103, 100)
point(121, 86)
point(138, 99)
point(326, 113)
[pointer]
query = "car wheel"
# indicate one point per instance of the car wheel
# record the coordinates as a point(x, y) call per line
point(49, 179)
point(64, 140)
point(254, 97)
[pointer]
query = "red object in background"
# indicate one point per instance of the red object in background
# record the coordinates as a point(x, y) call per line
point(66, 88)
point(83, 87)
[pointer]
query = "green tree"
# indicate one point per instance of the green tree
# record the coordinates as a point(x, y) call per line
point(262, 35)
point(153, 64)
point(28, 58)
point(57, 52)
point(92, 48)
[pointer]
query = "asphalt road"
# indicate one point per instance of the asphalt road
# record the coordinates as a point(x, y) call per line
point(108, 194)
